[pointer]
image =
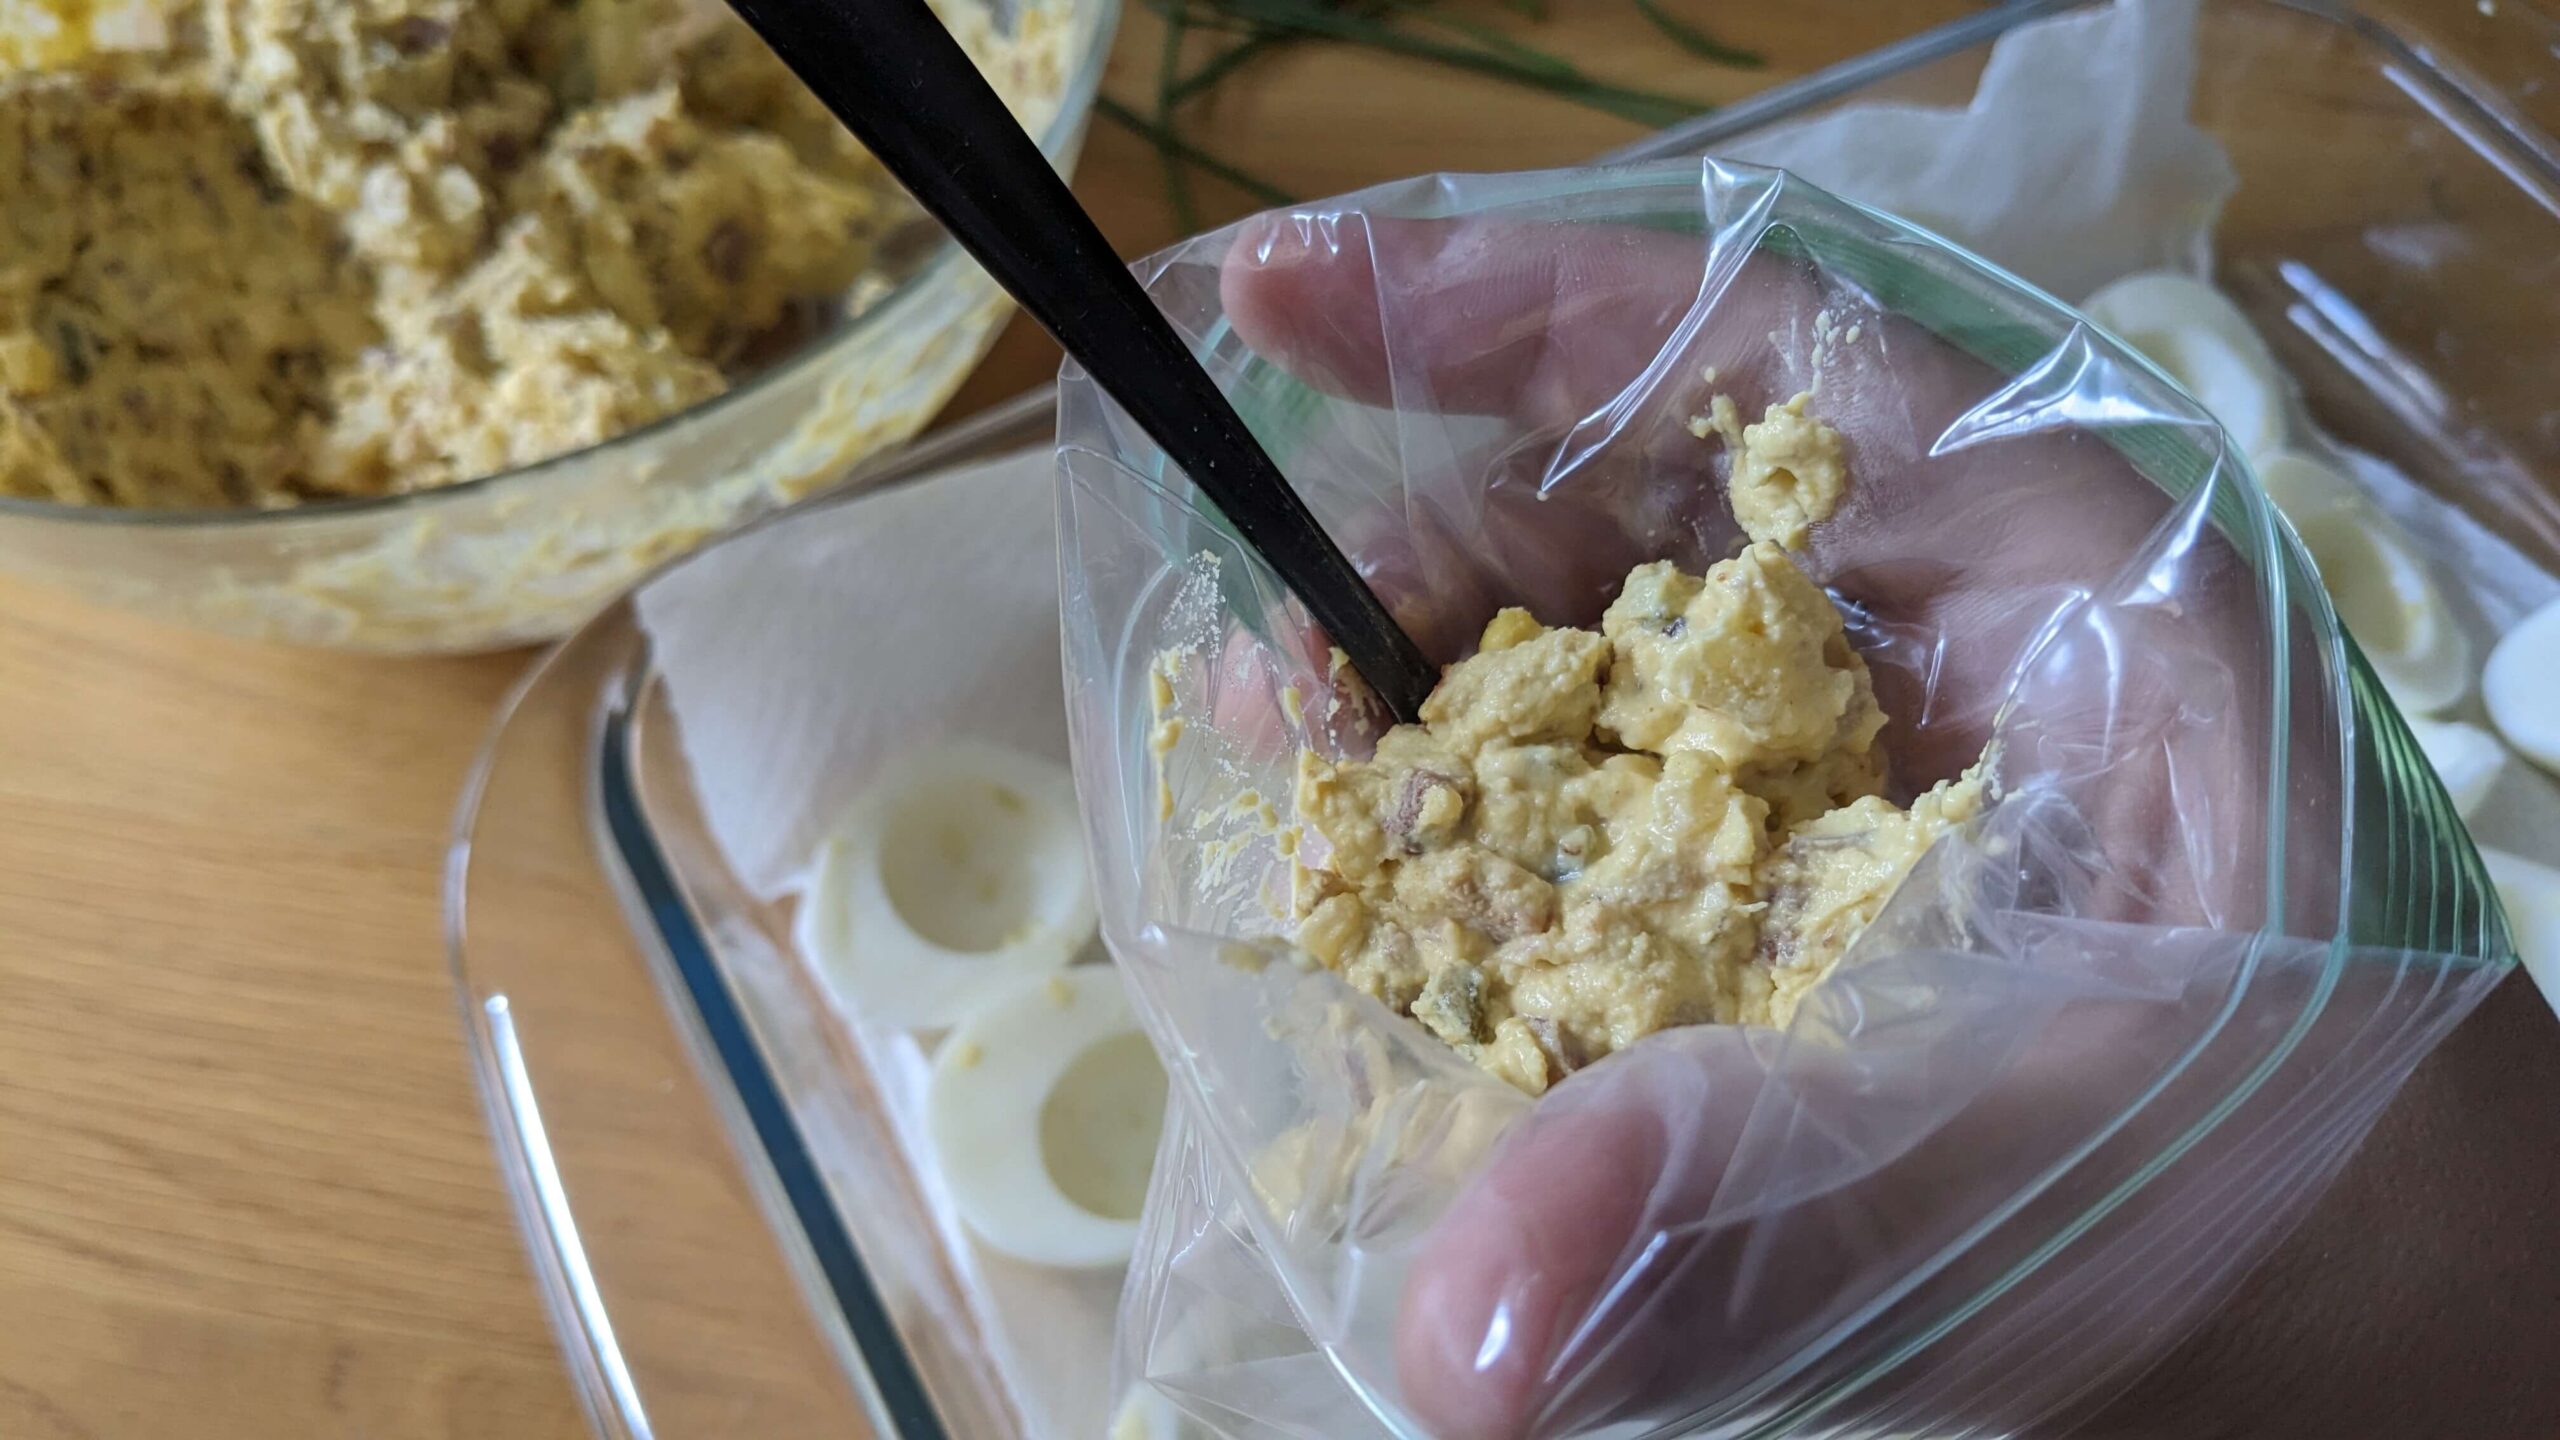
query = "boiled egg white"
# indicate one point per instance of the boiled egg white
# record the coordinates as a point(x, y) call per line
point(2531, 893)
point(2468, 759)
point(1145, 1414)
point(2522, 686)
point(960, 874)
point(2375, 578)
point(2194, 332)
point(1044, 1107)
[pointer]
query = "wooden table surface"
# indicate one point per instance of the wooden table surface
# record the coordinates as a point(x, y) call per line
point(244, 1188)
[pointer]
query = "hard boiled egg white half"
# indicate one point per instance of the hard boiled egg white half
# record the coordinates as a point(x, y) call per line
point(2194, 332)
point(2373, 573)
point(2468, 759)
point(1044, 1107)
point(2522, 686)
point(959, 875)
point(1145, 1414)
point(2531, 893)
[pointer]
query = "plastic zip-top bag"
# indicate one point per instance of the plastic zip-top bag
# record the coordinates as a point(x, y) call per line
point(2129, 1008)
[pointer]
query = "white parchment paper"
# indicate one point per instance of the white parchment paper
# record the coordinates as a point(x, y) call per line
point(802, 658)
point(2074, 164)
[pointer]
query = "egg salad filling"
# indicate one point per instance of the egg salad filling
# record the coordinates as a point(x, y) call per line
point(256, 252)
point(1593, 836)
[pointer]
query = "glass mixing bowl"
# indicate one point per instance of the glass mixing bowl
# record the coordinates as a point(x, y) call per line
point(527, 554)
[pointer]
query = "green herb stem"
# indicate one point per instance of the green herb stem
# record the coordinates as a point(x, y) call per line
point(1226, 62)
point(1191, 154)
point(1494, 41)
point(1177, 173)
point(1697, 42)
point(1255, 44)
point(1549, 73)
point(1414, 29)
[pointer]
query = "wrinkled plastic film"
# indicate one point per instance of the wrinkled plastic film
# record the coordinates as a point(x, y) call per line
point(2100, 1046)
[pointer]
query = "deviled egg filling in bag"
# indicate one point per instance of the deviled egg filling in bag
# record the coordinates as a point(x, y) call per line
point(2135, 999)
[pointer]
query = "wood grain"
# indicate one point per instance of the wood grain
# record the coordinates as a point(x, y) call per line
point(244, 1189)
point(243, 1185)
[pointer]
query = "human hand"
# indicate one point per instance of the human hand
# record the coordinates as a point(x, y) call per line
point(1591, 1275)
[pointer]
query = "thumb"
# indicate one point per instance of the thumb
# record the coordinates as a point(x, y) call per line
point(1505, 1330)
point(1701, 1210)
point(1469, 316)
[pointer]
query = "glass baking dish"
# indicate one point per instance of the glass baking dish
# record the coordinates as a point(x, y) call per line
point(665, 1106)
point(662, 1083)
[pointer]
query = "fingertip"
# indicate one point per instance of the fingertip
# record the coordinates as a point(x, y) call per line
point(1462, 1375)
point(1262, 252)
point(1299, 289)
point(1492, 1300)
point(1247, 276)
point(1508, 1273)
point(1279, 239)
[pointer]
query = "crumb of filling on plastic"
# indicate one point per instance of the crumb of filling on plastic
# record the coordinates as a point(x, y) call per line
point(1167, 732)
point(1678, 819)
point(1788, 473)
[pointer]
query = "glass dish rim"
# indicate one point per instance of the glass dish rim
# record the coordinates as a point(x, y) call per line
point(1075, 109)
point(545, 1213)
point(2443, 79)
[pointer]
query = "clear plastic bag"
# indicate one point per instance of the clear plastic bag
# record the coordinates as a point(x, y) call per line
point(2100, 1046)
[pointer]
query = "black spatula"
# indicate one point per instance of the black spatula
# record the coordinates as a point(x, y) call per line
point(894, 75)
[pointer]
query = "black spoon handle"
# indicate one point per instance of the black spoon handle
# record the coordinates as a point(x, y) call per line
point(894, 75)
